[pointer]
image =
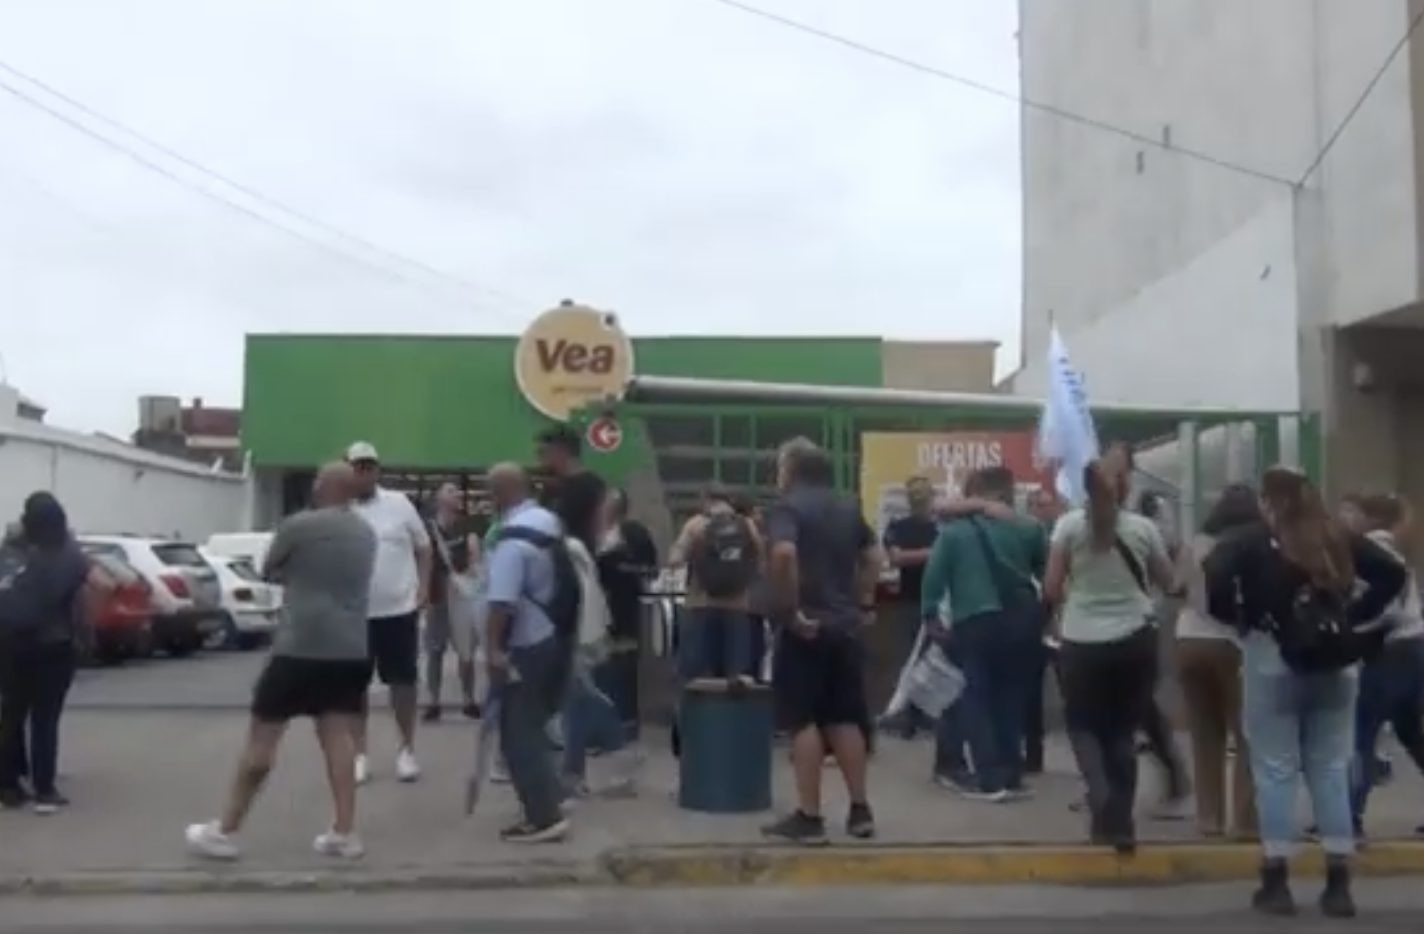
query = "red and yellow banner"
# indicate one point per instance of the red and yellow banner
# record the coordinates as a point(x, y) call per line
point(946, 459)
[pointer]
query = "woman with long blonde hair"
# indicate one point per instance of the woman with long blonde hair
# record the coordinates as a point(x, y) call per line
point(1293, 588)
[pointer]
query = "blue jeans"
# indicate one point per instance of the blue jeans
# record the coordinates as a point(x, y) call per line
point(1298, 725)
point(590, 719)
point(525, 707)
point(998, 654)
point(1391, 689)
point(716, 642)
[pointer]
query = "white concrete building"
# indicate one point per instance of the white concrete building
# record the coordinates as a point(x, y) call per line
point(1175, 280)
point(107, 485)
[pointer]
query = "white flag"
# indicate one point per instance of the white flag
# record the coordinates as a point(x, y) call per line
point(1065, 429)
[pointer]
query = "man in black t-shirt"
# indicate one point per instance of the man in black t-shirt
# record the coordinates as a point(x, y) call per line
point(576, 495)
point(908, 542)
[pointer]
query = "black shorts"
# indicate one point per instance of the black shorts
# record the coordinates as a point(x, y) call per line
point(289, 688)
point(820, 681)
point(394, 644)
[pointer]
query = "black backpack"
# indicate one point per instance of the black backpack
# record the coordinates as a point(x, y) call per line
point(565, 605)
point(724, 561)
point(1317, 635)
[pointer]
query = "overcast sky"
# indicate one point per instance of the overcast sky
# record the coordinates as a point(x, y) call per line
point(697, 169)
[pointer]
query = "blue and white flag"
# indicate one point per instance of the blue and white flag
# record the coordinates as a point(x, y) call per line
point(1065, 429)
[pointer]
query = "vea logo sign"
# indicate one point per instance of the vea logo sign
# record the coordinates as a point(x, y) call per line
point(572, 356)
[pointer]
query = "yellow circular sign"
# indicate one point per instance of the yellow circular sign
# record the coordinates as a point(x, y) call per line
point(571, 356)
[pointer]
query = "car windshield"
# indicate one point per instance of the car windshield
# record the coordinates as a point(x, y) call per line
point(179, 555)
point(244, 569)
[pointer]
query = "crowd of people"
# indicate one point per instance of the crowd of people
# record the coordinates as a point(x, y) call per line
point(1296, 636)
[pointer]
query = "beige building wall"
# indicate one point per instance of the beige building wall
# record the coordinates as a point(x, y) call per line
point(942, 366)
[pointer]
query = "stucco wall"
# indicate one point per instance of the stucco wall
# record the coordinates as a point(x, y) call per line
point(1260, 84)
point(107, 487)
point(1218, 331)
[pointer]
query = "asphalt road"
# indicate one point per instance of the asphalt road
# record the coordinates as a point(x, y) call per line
point(1387, 907)
point(210, 680)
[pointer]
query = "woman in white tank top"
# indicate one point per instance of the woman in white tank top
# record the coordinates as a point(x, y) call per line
point(1208, 663)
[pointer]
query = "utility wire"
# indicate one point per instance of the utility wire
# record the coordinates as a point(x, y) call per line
point(1365, 95)
point(158, 168)
point(253, 193)
point(988, 89)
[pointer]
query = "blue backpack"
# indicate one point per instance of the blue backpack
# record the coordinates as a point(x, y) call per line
point(34, 589)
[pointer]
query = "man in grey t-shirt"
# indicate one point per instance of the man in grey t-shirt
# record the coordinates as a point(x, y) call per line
point(319, 666)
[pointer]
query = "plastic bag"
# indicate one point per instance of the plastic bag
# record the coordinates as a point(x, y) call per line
point(934, 683)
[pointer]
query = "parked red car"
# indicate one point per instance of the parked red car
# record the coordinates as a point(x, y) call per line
point(122, 624)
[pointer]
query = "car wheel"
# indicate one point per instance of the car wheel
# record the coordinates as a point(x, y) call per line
point(248, 641)
point(181, 648)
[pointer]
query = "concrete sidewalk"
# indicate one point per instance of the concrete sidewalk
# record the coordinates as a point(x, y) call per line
point(137, 778)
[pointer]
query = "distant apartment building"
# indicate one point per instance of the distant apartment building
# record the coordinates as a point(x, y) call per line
point(1180, 258)
point(197, 432)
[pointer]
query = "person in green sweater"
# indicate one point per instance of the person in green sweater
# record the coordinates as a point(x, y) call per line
point(986, 563)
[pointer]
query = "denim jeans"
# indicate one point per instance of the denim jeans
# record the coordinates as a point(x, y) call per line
point(526, 705)
point(590, 719)
point(717, 642)
point(949, 758)
point(997, 653)
point(1298, 725)
point(1391, 688)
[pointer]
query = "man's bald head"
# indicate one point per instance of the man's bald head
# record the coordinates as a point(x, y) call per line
point(335, 484)
point(509, 484)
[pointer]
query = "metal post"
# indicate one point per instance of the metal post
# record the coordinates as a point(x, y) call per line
point(1190, 487)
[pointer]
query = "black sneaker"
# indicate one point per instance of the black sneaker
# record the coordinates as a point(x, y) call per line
point(12, 799)
point(1336, 900)
point(432, 714)
point(49, 803)
point(471, 710)
point(798, 827)
point(860, 822)
point(525, 832)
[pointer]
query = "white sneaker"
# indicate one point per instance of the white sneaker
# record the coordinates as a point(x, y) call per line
point(209, 841)
point(340, 845)
point(499, 773)
point(363, 769)
point(407, 769)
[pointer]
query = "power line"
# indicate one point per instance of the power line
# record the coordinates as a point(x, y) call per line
point(251, 192)
point(154, 166)
point(1365, 95)
point(988, 89)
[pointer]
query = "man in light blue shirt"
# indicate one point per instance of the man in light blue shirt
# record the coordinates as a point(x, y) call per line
point(528, 665)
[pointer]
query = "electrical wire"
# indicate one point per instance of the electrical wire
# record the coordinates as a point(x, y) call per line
point(1067, 116)
point(1365, 95)
point(158, 168)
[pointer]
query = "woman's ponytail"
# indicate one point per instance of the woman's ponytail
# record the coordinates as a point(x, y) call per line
point(1102, 506)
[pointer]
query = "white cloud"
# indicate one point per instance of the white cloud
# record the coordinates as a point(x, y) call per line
point(699, 169)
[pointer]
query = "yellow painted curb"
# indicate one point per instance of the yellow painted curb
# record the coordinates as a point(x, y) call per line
point(1157, 864)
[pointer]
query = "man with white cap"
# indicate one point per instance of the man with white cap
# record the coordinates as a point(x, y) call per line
point(400, 589)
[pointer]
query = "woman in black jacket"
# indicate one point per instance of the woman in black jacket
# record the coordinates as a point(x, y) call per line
point(1293, 585)
point(40, 611)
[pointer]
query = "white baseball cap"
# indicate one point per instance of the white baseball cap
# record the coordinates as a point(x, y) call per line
point(362, 451)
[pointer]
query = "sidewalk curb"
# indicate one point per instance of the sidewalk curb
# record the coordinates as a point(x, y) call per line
point(210, 880)
point(1153, 864)
point(703, 866)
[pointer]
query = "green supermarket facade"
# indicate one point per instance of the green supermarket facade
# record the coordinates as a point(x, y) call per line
point(448, 407)
point(696, 409)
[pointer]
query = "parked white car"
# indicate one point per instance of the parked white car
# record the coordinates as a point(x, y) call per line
point(250, 545)
point(249, 603)
point(187, 600)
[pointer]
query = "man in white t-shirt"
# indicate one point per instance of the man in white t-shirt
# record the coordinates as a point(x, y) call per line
point(400, 589)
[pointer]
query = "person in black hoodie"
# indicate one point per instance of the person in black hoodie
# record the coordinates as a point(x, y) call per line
point(43, 583)
point(1294, 587)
